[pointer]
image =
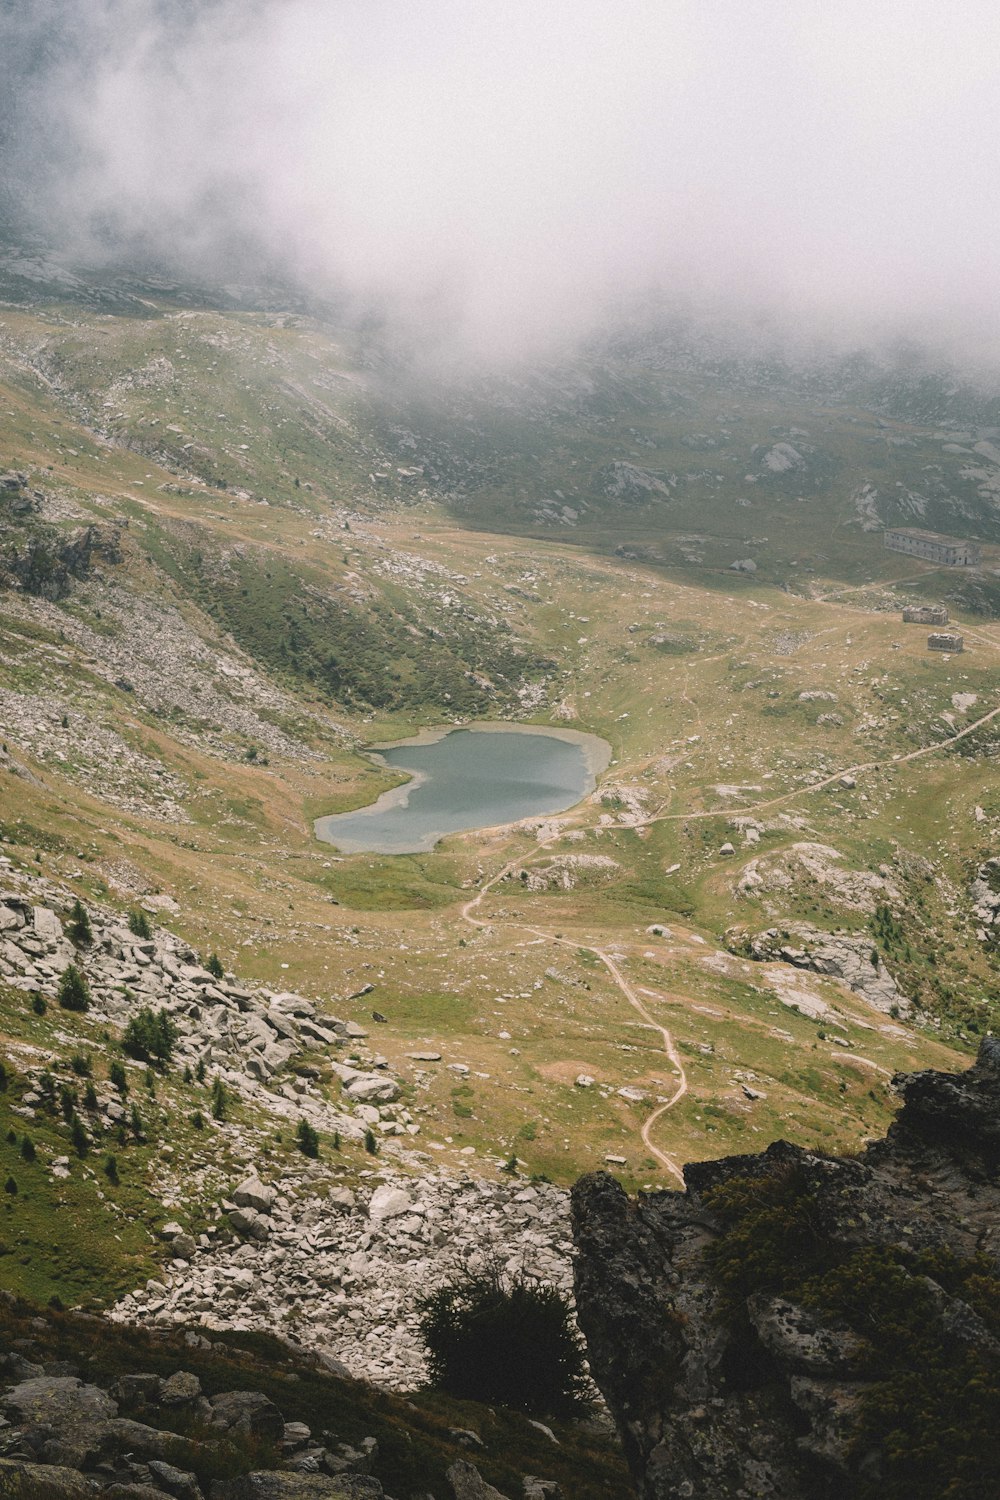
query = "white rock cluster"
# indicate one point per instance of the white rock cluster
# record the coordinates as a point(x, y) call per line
point(246, 1035)
point(343, 1273)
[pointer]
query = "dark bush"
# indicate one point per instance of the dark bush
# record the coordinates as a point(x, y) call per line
point(215, 967)
point(512, 1342)
point(116, 1073)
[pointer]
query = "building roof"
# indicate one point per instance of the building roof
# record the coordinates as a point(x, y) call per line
point(930, 536)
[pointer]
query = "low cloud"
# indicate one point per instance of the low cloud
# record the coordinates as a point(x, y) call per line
point(499, 179)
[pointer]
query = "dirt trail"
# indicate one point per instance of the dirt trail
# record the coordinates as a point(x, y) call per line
point(630, 994)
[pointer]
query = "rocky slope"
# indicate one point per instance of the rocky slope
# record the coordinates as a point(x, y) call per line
point(87, 1410)
point(336, 1255)
point(803, 1326)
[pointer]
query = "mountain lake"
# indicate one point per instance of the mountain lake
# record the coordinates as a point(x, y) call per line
point(463, 779)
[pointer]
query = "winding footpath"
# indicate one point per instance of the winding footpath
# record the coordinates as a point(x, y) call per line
point(630, 994)
point(470, 909)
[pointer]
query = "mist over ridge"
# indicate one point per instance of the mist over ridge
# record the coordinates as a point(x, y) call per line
point(497, 183)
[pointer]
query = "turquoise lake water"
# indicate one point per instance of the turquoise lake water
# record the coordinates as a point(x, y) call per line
point(469, 778)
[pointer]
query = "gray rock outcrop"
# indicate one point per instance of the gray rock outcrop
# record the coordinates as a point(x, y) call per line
point(722, 1389)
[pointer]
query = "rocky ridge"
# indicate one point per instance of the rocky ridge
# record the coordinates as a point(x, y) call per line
point(729, 1377)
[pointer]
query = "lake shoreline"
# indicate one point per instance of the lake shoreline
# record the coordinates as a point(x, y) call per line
point(596, 754)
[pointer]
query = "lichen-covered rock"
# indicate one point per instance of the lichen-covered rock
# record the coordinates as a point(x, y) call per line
point(468, 1484)
point(752, 1333)
point(248, 1412)
point(22, 1481)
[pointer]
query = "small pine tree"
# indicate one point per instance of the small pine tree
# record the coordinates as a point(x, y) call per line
point(80, 1064)
point(371, 1144)
point(116, 1073)
point(150, 1036)
point(199, 1071)
point(90, 1099)
point(215, 967)
point(135, 1120)
point(188, 1077)
point(10, 1186)
point(138, 923)
point(307, 1139)
point(12, 1137)
point(220, 1100)
point(336, 1140)
point(3, 1078)
point(198, 1120)
point(510, 1165)
point(28, 1151)
point(79, 1136)
point(74, 991)
point(39, 1004)
point(67, 1102)
point(78, 926)
point(111, 1169)
point(47, 1089)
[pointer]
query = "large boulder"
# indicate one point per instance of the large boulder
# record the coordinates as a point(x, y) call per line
point(61, 1420)
point(389, 1203)
point(20, 1481)
point(248, 1412)
point(253, 1194)
point(371, 1088)
point(468, 1484)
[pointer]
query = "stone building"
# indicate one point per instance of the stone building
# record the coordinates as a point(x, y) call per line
point(932, 546)
point(947, 640)
point(925, 614)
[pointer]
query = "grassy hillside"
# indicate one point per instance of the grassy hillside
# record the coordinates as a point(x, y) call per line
point(298, 556)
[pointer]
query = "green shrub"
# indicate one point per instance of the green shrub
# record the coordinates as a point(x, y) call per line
point(150, 1036)
point(371, 1143)
point(511, 1342)
point(79, 1136)
point(307, 1139)
point(10, 1186)
point(220, 1100)
point(78, 927)
point(198, 1120)
point(138, 923)
point(74, 991)
point(28, 1151)
point(39, 1004)
point(80, 1064)
point(117, 1076)
point(215, 966)
point(90, 1099)
point(111, 1169)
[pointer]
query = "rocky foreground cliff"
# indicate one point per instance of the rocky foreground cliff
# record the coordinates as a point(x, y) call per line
point(810, 1327)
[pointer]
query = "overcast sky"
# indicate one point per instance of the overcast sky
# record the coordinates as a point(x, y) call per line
point(501, 173)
